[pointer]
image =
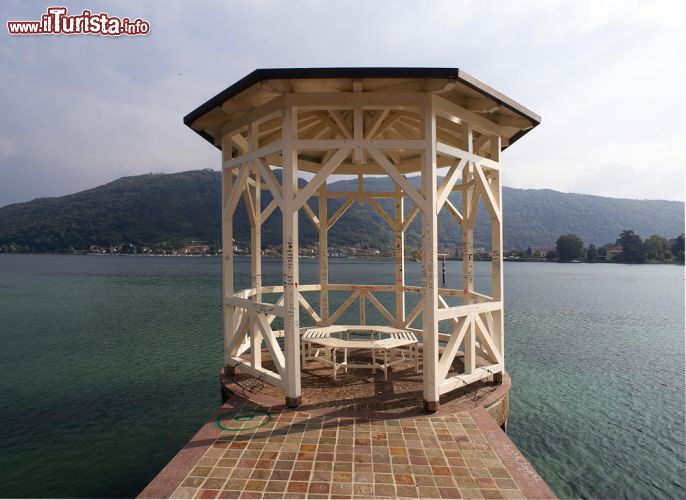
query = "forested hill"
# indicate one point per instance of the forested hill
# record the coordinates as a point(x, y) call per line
point(172, 208)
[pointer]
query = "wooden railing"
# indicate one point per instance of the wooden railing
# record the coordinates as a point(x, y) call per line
point(475, 324)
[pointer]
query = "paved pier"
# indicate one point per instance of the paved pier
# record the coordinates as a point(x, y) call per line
point(254, 447)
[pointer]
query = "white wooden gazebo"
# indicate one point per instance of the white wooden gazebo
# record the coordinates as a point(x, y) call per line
point(395, 122)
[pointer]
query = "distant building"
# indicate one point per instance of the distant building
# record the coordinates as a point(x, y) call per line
point(482, 253)
point(613, 252)
point(308, 251)
point(541, 252)
point(196, 248)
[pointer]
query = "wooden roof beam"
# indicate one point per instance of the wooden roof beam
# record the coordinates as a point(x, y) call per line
point(479, 104)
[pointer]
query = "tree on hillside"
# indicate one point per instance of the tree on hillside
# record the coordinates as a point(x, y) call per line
point(633, 249)
point(602, 252)
point(569, 247)
point(655, 247)
point(678, 245)
point(591, 253)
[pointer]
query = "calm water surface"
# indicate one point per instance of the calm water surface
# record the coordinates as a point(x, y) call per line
point(110, 364)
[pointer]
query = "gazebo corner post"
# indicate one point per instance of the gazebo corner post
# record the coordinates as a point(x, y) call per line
point(291, 321)
point(429, 262)
point(227, 252)
point(255, 250)
point(469, 212)
point(497, 258)
point(399, 258)
point(323, 254)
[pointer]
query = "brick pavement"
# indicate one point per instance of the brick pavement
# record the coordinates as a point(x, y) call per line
point(356, 437)
point(258, 451)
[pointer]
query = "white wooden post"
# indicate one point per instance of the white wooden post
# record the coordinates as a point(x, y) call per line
point(255, 252)
point(227, 251)
point(358, 129)
point(291, 322)
point(363, 314)
point(429, 261)
point(497, 257)
point(399, 259)
point(323, 254)
point(468, 254)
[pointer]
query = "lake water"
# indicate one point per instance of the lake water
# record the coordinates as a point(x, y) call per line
point(110, 364)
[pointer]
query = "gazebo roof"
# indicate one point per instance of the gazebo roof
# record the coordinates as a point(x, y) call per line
point(262, 85)
point(258, 88)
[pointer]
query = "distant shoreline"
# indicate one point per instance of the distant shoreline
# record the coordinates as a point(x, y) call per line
point(307, 257)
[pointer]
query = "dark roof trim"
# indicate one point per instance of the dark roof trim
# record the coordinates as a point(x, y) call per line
point(304, 73)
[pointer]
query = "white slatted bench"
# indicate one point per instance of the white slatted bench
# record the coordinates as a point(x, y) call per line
point(318, 344)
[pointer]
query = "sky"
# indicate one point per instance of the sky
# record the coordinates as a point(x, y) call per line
point(607, 77)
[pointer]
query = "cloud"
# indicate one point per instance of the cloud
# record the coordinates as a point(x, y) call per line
point(7, 148)
point(607, 77)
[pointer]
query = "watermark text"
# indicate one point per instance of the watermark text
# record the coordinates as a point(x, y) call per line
point(57, 21)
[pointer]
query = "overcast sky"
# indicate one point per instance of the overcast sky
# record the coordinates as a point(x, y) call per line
point(607, 77)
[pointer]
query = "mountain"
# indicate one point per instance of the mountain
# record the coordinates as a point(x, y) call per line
point(152, 209)
point(143, 209)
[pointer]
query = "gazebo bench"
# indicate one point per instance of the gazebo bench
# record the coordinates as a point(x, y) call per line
point(396, 342)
